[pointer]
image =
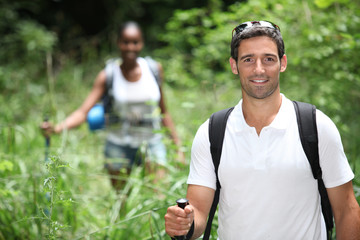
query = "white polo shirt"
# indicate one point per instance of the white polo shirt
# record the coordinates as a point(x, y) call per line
point(268, 190)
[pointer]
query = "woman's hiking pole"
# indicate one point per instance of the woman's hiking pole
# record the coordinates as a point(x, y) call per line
point(182, 203)
point(47, 142)
point(47, 146)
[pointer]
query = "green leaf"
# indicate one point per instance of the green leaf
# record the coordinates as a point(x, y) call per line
point(323, 3)
point(6, 166)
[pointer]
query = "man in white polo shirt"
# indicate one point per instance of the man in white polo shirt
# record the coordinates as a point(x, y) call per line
point(267, 188)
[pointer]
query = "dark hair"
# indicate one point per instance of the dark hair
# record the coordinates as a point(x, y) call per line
point(257, 31)
point(126, 25)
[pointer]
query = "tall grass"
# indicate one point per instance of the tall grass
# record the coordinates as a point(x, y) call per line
point(69, 195)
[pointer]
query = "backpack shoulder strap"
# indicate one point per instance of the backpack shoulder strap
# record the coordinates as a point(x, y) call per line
point(154, 67)
point(306, 119)
point(109, 72)
point(217, 126)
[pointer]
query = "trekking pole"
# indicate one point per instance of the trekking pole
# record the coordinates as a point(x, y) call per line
point(47, 142)
point(182, 203)
point(47, 146)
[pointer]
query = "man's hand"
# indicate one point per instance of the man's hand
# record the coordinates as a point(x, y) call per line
point(178, 221)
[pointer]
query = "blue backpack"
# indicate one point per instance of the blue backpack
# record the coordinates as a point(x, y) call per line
point(306, 118)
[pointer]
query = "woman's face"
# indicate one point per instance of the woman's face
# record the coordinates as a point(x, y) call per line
point(130, 43)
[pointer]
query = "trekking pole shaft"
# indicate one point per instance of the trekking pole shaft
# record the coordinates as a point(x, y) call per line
point(182, 203)
point(47, 142)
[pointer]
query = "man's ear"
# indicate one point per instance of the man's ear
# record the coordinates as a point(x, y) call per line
point(283, 63)
point(233, 65)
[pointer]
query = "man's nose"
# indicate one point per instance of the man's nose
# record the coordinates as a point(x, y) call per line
point(259, 67)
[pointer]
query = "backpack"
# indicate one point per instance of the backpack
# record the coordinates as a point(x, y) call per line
point(107, 98)
point(306, 118)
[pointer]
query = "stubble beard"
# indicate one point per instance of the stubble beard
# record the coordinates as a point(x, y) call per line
point(260, 92)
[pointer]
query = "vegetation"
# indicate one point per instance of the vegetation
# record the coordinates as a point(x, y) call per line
point(62, 192)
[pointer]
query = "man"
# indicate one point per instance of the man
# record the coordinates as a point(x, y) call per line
point(267, 187)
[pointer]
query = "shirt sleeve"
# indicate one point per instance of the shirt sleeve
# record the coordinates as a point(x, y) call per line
point(202, 171)
point(334, 164)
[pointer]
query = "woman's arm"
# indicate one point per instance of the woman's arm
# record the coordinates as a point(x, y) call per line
point(79, 115)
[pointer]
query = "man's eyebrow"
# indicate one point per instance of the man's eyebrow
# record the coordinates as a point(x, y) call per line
point(246, 56)
point(271, 55)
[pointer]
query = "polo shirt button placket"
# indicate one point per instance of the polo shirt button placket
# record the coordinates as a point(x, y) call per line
point(262, 148)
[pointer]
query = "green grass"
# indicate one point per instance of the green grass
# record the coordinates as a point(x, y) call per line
point(77, 201)
point(70, 196)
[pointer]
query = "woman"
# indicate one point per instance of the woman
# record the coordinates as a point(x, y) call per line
point(136, 95)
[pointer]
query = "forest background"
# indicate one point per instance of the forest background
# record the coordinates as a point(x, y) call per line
point(50, 53)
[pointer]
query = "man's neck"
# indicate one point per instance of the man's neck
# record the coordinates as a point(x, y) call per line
point(260, 113)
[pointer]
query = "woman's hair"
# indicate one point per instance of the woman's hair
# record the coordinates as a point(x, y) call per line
point(126, 25)
point(257, 31)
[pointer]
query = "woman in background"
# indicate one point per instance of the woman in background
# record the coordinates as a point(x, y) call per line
point(137, 101)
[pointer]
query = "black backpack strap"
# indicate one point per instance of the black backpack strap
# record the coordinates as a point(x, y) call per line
point(109, 71)
point(107, 97)
point(217, 126)
point(154, 67)
point(306, 118)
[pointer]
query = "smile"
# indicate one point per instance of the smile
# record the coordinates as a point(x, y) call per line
point(259, 81)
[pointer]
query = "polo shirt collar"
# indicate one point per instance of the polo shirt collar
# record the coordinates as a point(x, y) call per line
point(281, 121)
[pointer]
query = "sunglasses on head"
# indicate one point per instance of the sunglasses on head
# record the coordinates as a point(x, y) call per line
point(241, 27)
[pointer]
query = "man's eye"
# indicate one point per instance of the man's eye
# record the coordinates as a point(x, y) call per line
point(247, 60)
point(270, 59)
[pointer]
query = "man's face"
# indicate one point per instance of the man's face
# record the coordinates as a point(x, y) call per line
point(130, 43)
point(258, 67)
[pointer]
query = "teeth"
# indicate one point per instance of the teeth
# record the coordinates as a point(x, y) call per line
point(259, 81)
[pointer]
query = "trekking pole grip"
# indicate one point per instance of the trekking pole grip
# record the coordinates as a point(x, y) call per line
point(182, 203)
